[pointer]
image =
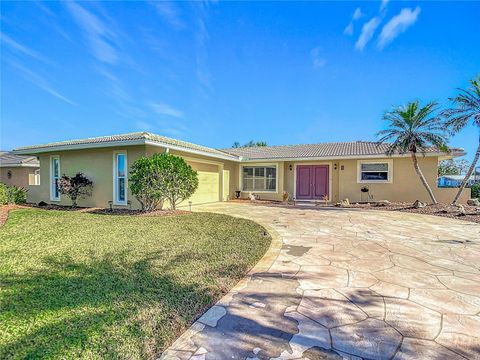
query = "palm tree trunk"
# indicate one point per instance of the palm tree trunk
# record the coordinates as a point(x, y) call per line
point(422, 178)
point(469, 173)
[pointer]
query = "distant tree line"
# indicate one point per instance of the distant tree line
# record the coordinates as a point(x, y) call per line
point(251, 143)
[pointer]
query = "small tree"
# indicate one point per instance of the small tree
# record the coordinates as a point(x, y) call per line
point(146, 182)
point(76, 187)
point(180, 181)
point(162, 177)
point(452, 167)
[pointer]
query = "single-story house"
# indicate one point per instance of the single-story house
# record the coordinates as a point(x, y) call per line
point(19, 170)
point(456, 180)
point(359, 170)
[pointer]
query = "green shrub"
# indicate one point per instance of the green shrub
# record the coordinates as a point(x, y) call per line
point(12, 194)
point(3, 194)
point(162, 177)
point(75, 187)
point(475, 190)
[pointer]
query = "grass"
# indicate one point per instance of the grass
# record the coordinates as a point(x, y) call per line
point(79, 285)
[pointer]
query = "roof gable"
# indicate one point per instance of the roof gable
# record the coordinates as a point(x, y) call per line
point(136, 138)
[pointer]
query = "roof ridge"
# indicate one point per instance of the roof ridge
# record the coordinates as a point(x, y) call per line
point(306, 144)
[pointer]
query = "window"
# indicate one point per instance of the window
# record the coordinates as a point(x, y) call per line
point(120, 179)
point(259, 178)
point(34, 179)
point(375, 171)
point(54, 178)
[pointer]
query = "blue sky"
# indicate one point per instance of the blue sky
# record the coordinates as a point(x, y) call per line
point(215, 73)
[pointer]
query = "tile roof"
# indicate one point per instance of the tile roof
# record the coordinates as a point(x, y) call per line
point(9, 159)
point(321, 150)
point(129, 137)
point(306, 151)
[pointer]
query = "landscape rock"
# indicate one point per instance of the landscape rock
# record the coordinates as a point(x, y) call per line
point(473, 202)
point(382, 203)
point(344, 203)
point(418, 204)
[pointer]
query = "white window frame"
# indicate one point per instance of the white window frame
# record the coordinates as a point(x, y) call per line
point(53, 178)
point(115, 178)
point(259, 166)
point(389, 163)
point(34, 179)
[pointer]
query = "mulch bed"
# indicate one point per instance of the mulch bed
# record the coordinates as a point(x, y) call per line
point(445, 210)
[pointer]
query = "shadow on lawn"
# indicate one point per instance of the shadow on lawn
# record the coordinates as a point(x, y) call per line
point(108, 307)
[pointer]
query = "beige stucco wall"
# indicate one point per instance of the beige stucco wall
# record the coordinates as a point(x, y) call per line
point(406, 185)
point(19, 175)
point(96, 164)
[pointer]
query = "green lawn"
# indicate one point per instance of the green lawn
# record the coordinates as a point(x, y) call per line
point(79, 285)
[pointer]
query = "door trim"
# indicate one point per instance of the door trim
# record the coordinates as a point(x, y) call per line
point(329, 164)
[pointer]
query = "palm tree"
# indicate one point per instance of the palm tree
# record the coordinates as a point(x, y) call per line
point(412, 128)
point(467, 109)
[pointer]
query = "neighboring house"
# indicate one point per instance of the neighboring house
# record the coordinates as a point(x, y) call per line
point(317, 172)
point(19, 170)
point(456, 180)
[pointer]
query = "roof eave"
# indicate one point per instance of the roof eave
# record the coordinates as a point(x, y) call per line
point(19, 165)
point(55, 148)
point(348, 157)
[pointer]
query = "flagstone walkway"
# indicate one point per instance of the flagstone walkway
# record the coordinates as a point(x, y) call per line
point(347, 283)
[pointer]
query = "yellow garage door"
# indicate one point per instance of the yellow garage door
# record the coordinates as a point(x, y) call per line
point(208, 184)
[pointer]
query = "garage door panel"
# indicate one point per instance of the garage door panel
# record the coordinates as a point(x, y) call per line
point(208, 188)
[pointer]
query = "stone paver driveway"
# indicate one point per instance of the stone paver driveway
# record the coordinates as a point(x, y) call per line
point(348, 283)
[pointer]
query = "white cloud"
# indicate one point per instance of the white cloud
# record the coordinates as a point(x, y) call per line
point(383, 5)
point(99, 35)
point(397, 25)
point(357, 14)
point(349, 29)
point(19, 48)
point(368, 30)
point(165, 109)
point(317, 59)
point(169, 12)
point(40, 82)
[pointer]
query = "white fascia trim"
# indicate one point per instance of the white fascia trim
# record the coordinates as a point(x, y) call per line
point(78, 147)
point(32, 151)
point(19, 165)
point(356, 157)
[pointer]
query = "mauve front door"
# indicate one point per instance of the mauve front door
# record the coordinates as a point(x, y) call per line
point(312, 182)
point(320, 182)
